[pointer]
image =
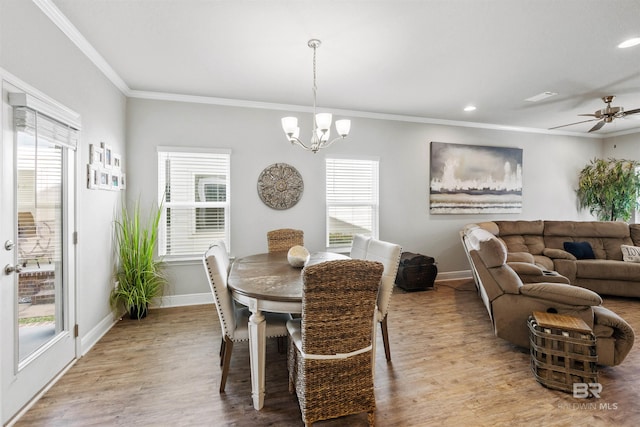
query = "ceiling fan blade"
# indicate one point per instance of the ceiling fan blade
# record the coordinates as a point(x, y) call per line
point(636, 111)
point(571, 124)
point(590, 115)
point(597, 126)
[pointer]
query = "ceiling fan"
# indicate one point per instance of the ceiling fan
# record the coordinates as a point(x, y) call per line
point(605, 115)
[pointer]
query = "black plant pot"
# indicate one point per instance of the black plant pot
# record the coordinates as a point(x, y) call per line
point(138, 311)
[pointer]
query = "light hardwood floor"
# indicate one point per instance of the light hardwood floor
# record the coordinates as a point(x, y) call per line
point(447, 369)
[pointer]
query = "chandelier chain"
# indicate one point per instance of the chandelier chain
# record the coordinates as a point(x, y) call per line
point(315, 86)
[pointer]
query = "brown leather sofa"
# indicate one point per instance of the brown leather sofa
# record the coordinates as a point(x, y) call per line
point(542, 243)
point(510, 302)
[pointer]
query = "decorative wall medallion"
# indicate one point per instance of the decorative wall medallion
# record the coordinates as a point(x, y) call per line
point(280, 186)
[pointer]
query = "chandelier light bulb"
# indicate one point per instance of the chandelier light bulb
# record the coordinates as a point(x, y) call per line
point(343, 127)
point(323, 121)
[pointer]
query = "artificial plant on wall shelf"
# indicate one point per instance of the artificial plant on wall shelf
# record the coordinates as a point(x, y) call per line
point(609, 188)
point(140, 277)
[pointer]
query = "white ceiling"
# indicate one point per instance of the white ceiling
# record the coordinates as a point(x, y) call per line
point(422, 59)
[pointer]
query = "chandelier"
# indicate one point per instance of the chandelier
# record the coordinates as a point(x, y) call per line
point(321, 121)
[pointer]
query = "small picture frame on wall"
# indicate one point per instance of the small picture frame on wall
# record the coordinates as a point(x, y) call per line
point(96, 155)
point(115, 181)
point(93, 178)
point(108, 155)
point(123, 181)
point(117, 161)
point(104, 179)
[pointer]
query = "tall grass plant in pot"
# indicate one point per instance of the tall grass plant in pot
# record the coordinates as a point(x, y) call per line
point(139, 278)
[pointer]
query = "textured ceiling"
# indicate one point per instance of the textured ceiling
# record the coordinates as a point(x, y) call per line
point(422, 59)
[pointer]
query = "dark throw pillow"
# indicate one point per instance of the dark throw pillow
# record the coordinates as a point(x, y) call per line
point(580, 250)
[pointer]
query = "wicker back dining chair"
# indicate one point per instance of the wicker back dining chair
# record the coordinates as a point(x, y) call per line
point(284, 239)
point(234, 319)
point(330, 347)
point(389, 255)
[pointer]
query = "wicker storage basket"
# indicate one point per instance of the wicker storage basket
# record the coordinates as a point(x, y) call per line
point(563, 351)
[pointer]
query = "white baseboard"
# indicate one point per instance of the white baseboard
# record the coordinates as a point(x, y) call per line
point(94, 335)
point(455, 275)
point(184, 300)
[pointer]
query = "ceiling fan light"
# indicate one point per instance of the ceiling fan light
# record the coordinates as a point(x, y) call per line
point(629, 43)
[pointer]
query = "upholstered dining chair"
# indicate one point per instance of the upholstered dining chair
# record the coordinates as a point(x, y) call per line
point(389, 255)
point(330, 347)
point(234, 320)
point(284, 239)
point(359, 246)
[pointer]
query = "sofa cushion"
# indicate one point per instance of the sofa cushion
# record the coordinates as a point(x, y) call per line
point(580, 250)
point(522, 236)
point(630, 253)
point(607, 270)
point(492, 252)
point(605, 237)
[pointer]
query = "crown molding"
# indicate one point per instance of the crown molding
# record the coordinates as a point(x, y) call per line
point(58, 18)
point(61, 21)
point(163, 96)
point(23, 94)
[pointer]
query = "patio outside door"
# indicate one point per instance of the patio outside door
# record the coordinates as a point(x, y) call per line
point(36, 285)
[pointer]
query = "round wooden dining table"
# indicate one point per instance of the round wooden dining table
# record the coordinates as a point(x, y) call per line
point(267, 282)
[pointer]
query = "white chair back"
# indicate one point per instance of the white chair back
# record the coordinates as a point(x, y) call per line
point(389, 255)
point(224, 255)
point(214, 263)
point(359, 246)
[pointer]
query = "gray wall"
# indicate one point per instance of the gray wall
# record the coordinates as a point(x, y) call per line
point(33, 49)
point(623, 147)
point(551, 164)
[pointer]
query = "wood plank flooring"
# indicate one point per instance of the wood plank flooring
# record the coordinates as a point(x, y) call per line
point(447, 369)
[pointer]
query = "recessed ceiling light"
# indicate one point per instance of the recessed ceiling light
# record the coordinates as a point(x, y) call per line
point(469, 108)
point(629, 43)
point(541, 96)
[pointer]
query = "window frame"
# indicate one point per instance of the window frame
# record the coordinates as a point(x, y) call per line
point(374, 203)
point(165, 152)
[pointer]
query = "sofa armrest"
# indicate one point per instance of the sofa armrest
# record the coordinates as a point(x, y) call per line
point(561, 293)
point(520, 257)
point(531, 273)
point(525, 268)
point(622, 332)
point(558, 254)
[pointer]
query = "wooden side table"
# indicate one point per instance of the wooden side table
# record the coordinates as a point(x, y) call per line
point(563, 351)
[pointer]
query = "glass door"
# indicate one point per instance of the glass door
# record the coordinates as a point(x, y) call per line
point(37, 292)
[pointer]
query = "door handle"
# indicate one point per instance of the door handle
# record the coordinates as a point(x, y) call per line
point(8, 269)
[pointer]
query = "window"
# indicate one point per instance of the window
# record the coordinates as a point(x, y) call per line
point(195, 187)
point(352, 200)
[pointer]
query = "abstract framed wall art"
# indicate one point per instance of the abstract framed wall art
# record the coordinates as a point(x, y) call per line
point(475, 179)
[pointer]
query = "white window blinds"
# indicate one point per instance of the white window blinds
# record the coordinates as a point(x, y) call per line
point(39, 125)
point(195, 185)
point(352, 200)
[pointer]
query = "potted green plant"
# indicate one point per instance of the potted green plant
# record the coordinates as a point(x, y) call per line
point(609, 188)
point(139, 277)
